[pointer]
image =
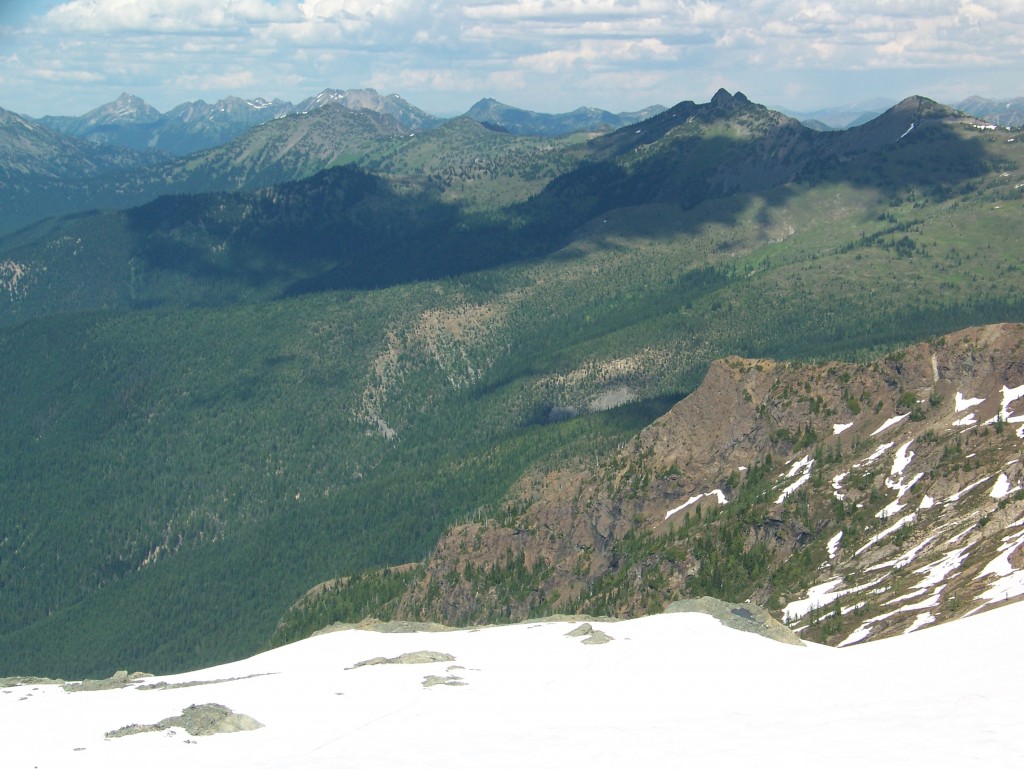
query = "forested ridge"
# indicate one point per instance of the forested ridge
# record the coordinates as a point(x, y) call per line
point(213, 402)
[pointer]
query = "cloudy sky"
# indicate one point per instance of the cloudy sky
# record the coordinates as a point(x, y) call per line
point(64, 58)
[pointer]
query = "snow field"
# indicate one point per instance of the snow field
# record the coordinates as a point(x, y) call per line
point(672, 689)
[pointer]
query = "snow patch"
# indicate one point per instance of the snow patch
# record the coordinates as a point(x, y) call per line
point(904, 521)
point(902, 459)
point(833, 545)
point(806, 462)
point(1000, 565)
point(922, 619)
point(970, 487)
point(877, 453)
point(1002, 487)
point(837, 486)
point(716, 493)
point(792, 487)
point(962, 403)
point(857, 635)
point(840, 429)
point(936, 572)
point(820, 596)
point(901, 489)
point(890, 422)
point(1011, 394)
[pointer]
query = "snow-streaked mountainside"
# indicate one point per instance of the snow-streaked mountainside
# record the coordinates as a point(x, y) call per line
point(676, 689)
point(877, 497)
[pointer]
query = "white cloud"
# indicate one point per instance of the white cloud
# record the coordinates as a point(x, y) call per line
point(605, 53)
point(228, 82)
point(163, 16)
point(544, 51)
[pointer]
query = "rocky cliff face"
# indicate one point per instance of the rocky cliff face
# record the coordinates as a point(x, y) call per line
point(854, 500)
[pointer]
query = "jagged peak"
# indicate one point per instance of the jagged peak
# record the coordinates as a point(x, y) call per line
point(722, 98)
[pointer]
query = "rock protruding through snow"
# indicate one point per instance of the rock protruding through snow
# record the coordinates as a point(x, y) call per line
point(747, 617)
point(197, 720)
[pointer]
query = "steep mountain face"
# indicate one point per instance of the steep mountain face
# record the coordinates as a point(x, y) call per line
point(857, 500)
point(520, 121)
point(45, 172)
point(31, 152)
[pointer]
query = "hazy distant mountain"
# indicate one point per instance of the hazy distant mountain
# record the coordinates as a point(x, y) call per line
point(28, 148)
point(42, 170)
point(521, 121)
point(463, 159)
point(1004, 113)
point(393, 105)
point(193, 126)
point(841, 116)
point(130, 122)
point(126, 110)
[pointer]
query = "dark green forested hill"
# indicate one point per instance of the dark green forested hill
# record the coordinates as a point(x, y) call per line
point(213, 402)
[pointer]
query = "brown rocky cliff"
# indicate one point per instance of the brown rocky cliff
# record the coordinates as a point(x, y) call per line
point(602, 539)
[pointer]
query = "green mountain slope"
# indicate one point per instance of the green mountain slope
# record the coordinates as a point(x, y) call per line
point(459, 159)
point(521, 121)
point(855, 500)
point(174, 477)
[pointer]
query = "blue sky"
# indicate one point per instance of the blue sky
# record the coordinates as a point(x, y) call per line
point(64, 58)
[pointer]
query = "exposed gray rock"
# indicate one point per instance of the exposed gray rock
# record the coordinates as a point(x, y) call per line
point(29, 681)
point(161, 685)
point(429, 681)
point(197, 720)
point(119, 680)
point(748, 617)
point(380, 626)
point(409, 658)
point(583, 630)
point(589, 635)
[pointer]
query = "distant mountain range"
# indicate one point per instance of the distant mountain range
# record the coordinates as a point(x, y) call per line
point(130, 122)
point(1008, 113)
point(1002, 113)
point(842, 116)
point(520, 121)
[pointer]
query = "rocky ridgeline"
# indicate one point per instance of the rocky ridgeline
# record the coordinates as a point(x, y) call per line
point(854, 500)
